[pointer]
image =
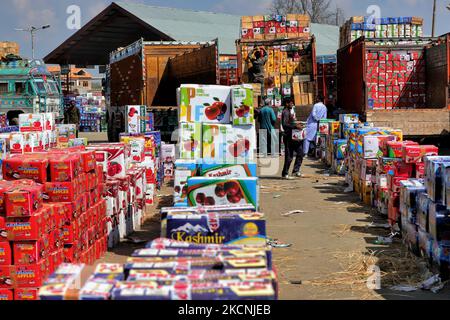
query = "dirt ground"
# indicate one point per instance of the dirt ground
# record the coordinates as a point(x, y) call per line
point(332, 247)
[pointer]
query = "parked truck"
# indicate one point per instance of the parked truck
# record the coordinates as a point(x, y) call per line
point(291, 69)
point(26, 86)
point(148, 73)
point(397, 83)
point(327, 78)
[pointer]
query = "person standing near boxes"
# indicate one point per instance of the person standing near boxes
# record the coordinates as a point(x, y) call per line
point(267, 120)
point(258, 58)
point(288, 123)
point(318, 113)
point(72, 115)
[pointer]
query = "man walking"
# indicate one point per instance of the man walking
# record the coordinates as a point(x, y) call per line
point(267, 120)
point(288, 123)
point(318, 113)
point(72, 115)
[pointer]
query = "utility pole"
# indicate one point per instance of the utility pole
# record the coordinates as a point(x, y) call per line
point(32, 30)
point(434, 18)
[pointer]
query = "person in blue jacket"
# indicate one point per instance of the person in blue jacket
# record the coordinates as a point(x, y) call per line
point(267, 120)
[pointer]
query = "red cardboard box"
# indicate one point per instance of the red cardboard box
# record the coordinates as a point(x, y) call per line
point(71, 254)
point(396, 148)
point(394, 183)
point(415, 154)
point(23, 201)
point(3, 232)
point(26, 229)
point(26, 253)
point(23, 167)
point(420, 170)
point(6, 295)
point(71, 231)
point(405, 170)
point(6, 281)
point(89, 162)
point(26, 294)
point(5, 253)
point(29, 276)
point(64, 168)
point(61, 191)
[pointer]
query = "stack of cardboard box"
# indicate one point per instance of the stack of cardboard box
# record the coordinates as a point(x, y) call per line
point(275, 27)
point(396, 79)
point(7, 47)
point(381, 28)
point(303, 92)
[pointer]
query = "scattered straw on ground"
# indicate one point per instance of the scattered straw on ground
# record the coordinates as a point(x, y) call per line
point(396, 267)
point(342, 230)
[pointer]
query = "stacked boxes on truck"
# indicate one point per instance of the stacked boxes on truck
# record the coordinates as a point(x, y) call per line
point(393, 76)
point(228, 70)
point(382, 28)
point(272, 27)
point(396, 79)
point(327, 77)
point(290, 70)
point(7, 47)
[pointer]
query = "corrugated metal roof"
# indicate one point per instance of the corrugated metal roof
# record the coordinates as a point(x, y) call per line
point(188, 25)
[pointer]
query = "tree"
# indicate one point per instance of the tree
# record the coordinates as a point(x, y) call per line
point(320, 11)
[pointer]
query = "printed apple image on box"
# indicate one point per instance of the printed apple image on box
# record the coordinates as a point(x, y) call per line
point(372, 145)
point(136, 119)
point(190, 141)
point(17, 143)
point(242, 102)
point(215, 191)
point(205, 103)
point(229, 144)
point(184, 169)
point(137, 146)
point(228, 170)
point(168, 153)
point(31, 122)
point(243, 229)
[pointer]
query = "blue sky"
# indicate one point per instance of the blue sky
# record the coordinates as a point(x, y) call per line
point(24, 13)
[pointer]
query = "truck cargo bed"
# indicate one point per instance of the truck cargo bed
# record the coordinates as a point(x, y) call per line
point(420, 122)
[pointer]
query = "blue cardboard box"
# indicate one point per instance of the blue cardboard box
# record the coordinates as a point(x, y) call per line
point(241, 229)
point(439, 222)
point(215, 291)
point(202, 253)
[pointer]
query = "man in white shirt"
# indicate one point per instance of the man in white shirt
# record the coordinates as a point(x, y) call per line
point(318, 113)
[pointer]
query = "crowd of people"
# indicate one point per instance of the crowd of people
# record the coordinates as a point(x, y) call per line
point(298, 137)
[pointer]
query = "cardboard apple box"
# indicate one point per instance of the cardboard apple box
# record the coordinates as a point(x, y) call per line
point(216, 191)
point(242, 103)
point(205, 103)
point(190, 141)
point(229, 144)
point(31, 122)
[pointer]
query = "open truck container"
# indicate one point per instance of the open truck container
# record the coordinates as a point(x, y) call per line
point(308, 55)
point(148, 73)
point(432, 118)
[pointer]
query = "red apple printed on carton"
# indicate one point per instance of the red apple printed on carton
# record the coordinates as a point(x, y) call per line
point(239, 148)
point(216, 111)
point(243, 111)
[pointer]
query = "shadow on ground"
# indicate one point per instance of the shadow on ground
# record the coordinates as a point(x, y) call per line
point(370, 234)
